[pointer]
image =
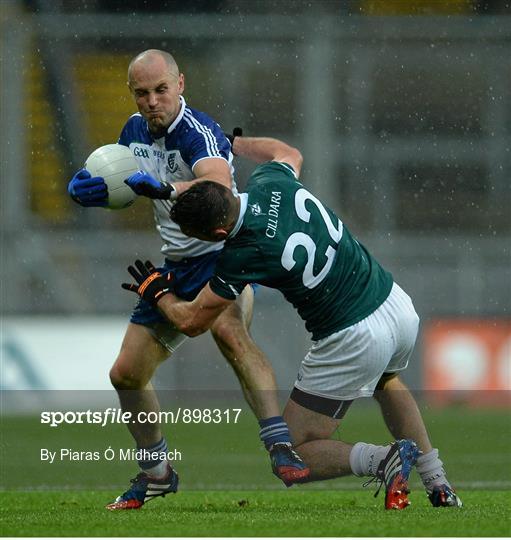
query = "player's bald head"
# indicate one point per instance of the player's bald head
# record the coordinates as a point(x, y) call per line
point(153, 58)
point(156, 85)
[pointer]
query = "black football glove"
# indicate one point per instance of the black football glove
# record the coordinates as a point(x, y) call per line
point(151, 284)
point(236, 132)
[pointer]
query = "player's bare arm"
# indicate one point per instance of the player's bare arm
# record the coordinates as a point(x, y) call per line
point(261, 149)
point(215, 169)
point(196, 317)
point(191, 318)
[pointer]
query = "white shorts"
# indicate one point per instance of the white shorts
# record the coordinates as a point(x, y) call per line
point(348, 364)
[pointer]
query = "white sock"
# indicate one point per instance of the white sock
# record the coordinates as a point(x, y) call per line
point(158, 471)
point(365, 458)
point(431, 470)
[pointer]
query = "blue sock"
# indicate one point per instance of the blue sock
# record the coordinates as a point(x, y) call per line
point(274, 430)
point(151, 461)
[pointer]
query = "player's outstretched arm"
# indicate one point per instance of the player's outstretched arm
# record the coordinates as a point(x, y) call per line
point(212, 168)
point(261, 149)
point(196, 317)
point(191, 318)
point(215, 169)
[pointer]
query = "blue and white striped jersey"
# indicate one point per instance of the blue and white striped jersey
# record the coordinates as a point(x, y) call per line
point(192, 137)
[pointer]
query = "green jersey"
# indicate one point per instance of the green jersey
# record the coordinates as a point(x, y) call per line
point(285, 238)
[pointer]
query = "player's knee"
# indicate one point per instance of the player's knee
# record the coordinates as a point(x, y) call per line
point(239, 349)
point(230, 334)
point(302, 434)
point(122, 378)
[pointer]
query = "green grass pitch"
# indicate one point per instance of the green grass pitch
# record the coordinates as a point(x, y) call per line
point(227, 488)
point(252, 513)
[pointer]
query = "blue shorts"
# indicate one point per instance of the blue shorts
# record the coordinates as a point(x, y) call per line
point(190, 276)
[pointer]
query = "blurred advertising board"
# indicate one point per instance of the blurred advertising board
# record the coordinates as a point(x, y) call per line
point(59, 353)
point(467, 361)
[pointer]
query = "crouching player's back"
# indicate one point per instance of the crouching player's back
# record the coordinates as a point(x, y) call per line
point(288, 240)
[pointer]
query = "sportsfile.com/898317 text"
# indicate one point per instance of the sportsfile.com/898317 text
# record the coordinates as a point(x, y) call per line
point(117, 416)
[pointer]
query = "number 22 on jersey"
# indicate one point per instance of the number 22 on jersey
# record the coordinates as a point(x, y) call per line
point(304, 240)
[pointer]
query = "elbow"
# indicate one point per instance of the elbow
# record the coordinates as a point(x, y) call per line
point(295, 159)
point(299, 160)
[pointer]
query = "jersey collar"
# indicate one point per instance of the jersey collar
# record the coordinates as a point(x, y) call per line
point(179, 116)
point(174, 123)
point(243, 208)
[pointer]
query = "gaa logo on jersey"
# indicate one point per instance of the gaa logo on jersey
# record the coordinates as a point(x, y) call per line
point(141, 152)
point(171, 162)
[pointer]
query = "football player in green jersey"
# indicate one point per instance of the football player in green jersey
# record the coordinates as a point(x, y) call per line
point(363, 325)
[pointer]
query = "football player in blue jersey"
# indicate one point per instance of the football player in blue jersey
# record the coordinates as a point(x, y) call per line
point(177, 146)
point(363, 325)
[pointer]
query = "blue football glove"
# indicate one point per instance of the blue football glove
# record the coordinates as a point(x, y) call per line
point(144, 184)
point(87, 190)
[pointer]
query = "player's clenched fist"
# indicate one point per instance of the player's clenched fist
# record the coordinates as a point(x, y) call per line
point(151, 284)
point(88, 190)
point(144, 184)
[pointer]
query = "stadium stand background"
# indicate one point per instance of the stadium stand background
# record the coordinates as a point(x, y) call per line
point(401, 109)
